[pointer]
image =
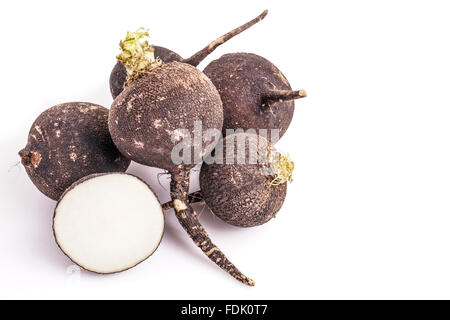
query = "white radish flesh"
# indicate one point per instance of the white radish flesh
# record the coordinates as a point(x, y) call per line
point(109, 222)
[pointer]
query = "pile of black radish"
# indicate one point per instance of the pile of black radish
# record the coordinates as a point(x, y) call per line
point(167, 114)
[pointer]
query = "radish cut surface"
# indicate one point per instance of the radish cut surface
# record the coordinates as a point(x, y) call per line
point(108, 223)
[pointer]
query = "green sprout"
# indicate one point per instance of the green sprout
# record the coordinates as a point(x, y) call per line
point(137, 54)
point(281, 168)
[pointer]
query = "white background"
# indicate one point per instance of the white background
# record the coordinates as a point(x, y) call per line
point(368, 214)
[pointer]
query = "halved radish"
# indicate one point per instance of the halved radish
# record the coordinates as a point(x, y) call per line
point(108, 223)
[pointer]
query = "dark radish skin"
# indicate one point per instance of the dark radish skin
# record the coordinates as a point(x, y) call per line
point(117, 79)
point(255, 94)
point(144, 121)
point(118, 76)
point(247, 194)
point(241, 194)
point(152, 108)
point(67, 142)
